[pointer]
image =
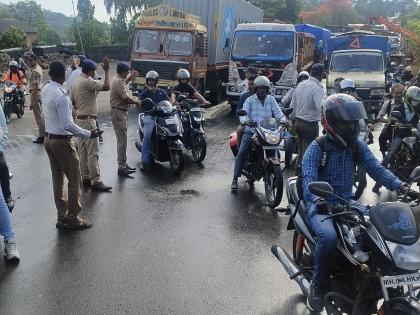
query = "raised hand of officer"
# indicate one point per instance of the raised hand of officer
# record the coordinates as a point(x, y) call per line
point(96, 133)
point(105, 64)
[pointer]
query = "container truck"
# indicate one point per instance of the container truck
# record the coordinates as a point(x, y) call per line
point(322, 36)
point(272, 48)
point(362, 58)
point(190, 34)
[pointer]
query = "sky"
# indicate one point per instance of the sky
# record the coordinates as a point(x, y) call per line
point(65, 7)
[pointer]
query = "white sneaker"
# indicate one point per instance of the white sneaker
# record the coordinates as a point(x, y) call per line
point(11, 251)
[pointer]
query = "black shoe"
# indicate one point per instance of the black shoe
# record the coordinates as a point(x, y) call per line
point(86, 183)
point(131, 168)
point(315, 301)
point(234, 185)
point(125, 172)
point(39, 140)
point(101, 187)
point(101, 139)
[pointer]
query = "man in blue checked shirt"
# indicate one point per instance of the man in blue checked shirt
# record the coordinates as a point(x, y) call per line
point(340, 118)
point(259, 107)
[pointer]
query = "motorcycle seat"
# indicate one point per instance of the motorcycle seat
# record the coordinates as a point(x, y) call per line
point(301, 208)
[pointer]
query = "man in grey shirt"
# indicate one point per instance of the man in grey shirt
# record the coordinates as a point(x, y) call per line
point(306, 103)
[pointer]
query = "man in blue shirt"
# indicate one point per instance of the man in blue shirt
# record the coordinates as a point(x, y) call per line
point(259, 107)
point(157, 95)
point(340, 118)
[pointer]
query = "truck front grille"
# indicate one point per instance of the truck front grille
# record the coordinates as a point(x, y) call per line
point(167, 70)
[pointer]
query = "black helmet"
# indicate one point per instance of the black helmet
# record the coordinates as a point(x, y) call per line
point(340, 118)
point(302, 76)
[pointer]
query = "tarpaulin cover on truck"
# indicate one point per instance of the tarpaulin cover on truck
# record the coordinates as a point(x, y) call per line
point(319, 33)
point(358, 42)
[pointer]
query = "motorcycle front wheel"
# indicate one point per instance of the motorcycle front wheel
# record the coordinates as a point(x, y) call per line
point(176, 161)
point(7, 113)
point(273, 184)
point(288, 152)
point(199, 147)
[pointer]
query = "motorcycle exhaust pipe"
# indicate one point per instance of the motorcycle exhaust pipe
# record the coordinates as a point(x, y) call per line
point(291, 268)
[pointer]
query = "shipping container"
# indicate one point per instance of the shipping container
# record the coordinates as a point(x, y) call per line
point(221, 18)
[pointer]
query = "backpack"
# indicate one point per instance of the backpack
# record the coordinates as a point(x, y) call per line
point(322, 143)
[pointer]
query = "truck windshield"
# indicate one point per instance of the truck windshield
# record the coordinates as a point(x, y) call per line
point(357, 62)
point(146, 42)
point(178, 43)
point(263, 45)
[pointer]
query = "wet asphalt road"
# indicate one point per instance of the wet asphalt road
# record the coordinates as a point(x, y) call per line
point(159, 244)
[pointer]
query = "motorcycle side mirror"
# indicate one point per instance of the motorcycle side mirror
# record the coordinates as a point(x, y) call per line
point(181, 98)
point(241, 112)
point(321, 189)
point(415, 175)
point(396, 114)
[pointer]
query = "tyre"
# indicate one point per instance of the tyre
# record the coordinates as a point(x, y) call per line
point(359, 182)
point(273, 184)
point(177, 161)
point(199, 147)
point(288, 153)
point(7, 113)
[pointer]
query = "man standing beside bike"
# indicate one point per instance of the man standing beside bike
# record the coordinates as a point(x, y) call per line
point(258, 107)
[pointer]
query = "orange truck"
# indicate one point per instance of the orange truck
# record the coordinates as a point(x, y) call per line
point(194, 35)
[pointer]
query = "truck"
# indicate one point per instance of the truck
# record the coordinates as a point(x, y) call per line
point(276, 49)
point(362, 58)
point(322, 36)
point(190, 34)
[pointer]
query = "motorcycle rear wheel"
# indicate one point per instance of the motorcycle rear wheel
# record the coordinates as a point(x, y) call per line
point(176, 161)
point(273, 184)
point(199, 147)
point(288, 153)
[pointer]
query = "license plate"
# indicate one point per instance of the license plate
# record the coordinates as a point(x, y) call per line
point(170, 121)
point(401, 280)
point(275, 147)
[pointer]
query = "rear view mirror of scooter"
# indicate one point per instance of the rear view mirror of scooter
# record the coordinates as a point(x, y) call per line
point(241, 112)
point(321, 189)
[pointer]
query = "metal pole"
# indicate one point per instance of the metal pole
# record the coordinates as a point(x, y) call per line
point(77, 27)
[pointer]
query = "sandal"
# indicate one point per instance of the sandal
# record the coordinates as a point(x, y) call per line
point(78, 224)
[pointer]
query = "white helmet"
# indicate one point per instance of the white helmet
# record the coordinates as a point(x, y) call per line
point(152, 75)
point(347, 84)
point(13, 64)
point(261, 81)
point(183, 74)
point(408, 69)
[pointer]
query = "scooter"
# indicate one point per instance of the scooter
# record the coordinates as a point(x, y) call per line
point(166, 143)
point(387, 282)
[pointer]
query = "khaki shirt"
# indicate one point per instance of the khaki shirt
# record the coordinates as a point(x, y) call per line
point(36, 77)
point(83, 95)
point(119, 93)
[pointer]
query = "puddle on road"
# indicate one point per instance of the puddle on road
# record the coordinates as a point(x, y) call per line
point(189, 192)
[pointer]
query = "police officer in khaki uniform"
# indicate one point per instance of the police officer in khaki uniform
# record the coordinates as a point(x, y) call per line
point(83, 96)
point(120, 102)
point(61, 150)
point(35, 81)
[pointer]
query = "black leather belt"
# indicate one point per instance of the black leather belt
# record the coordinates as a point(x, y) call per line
point(308, 122)
point(85, 117)
point(121, 109)
point(62, 137)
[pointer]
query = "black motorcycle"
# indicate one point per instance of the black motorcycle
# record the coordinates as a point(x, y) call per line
point(263, 160)
point(14, 102)
point(388, 282)
point(193, 135)
point(166, 143)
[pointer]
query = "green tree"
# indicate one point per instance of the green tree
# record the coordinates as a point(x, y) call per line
point(367, 8)
point(47, 36)
point(85, 9)
point(127, 6)
point(12, 37)
point(92, 33)
point(119, 30)
point(29, 12)
point(284, 10)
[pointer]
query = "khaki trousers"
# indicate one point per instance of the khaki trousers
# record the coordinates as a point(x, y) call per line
point(89, 153)
point(120, 123)
point(64, 161)
point(37, 109)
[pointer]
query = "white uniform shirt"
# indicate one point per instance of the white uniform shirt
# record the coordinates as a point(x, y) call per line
point(307, 100)
point(57, 108)
point(73, 76)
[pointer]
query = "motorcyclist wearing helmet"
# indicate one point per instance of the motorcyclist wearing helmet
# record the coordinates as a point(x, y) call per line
point(259, 107)
point(14, 75)
point(287, 99)
point(185, 88)
point(157, 95)
point(340, 118)
point(410, 117)
point(407, 75)
point(400, 71)
point(392, 67)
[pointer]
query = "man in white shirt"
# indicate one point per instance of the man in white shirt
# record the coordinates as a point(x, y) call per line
point(75, 73)
point(64, 160)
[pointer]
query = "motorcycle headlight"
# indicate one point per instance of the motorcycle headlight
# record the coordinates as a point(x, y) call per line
point(197, 118)
point(377, 92)
point(272, 138)
point(405, 257)
point(7, 90)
